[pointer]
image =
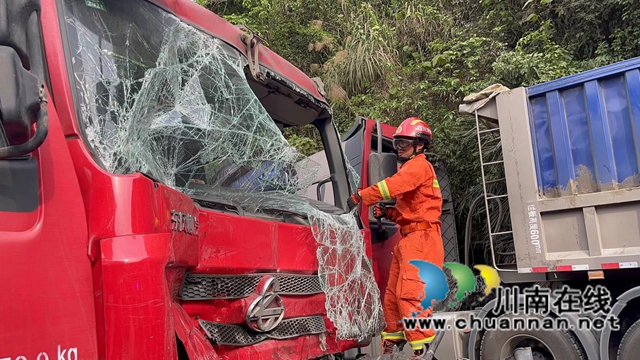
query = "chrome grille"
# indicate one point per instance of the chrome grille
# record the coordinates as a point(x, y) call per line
point(215, 287)
point(205, 287)
point(298, 285)
point(298, 326)
point(235, 335)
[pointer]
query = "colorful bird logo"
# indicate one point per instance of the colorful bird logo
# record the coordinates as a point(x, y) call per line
point(437, 288)
point(435, 282)
point(490, 276)
point(464, 277)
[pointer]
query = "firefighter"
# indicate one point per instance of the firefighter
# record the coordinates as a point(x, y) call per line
point(417, 212)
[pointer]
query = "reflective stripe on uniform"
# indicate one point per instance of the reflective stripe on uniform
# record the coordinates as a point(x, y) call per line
point(417, 345)
point(384, 190)
point(436, 184)
point(398, 335)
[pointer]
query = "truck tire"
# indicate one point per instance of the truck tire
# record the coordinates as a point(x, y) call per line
point(545, 344)
point(630, 344)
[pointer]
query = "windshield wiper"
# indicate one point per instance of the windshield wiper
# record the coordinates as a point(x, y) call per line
point(217, 204)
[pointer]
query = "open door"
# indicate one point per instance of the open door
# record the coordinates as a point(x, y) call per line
point(367, 153)
point(362, 142)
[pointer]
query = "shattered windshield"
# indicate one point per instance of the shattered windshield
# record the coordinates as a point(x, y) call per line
point(155, 95)
point(159, 97)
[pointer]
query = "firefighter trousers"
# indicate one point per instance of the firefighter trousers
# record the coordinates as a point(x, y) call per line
point(405, 289)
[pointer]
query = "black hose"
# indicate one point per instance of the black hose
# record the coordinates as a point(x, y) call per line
point(42, 129)
point(467, 231)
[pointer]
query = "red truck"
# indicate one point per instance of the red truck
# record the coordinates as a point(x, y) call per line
point(150, 206)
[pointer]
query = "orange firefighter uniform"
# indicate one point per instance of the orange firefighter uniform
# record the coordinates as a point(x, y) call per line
point(417, 211)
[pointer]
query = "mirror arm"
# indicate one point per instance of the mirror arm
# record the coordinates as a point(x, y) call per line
point(42, 128)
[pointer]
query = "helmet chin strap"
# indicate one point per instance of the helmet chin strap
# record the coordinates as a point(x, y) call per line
point(405, 159)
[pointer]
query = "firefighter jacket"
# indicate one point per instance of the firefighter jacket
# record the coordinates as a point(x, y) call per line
point(416, 190)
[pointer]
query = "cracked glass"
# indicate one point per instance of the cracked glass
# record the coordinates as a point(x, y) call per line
point(157, 96)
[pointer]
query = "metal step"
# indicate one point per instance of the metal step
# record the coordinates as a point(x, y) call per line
point(493, 163)
point(502, 233)
point(497, 197)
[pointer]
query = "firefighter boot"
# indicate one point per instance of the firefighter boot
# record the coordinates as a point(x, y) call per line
point(388, 346)
point(421, 354)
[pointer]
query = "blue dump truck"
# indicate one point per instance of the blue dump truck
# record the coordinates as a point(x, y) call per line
point(567, 188)
point(570, 159)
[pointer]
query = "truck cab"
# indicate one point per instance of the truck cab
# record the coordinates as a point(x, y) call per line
point(150, 206)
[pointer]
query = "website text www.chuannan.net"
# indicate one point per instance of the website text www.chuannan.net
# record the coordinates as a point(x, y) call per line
point(510, 323)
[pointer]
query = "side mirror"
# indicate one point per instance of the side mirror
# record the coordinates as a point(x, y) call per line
point(21, 98)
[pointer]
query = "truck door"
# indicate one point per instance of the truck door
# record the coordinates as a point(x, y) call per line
point(359, 142)
point(47, 295)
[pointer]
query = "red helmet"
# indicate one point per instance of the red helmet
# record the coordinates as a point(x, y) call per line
point(413, 129)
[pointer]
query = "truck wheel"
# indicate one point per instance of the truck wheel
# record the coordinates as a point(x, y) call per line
point(544, 344)
point(630, 344)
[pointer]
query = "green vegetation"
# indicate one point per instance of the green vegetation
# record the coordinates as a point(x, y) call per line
point(391, 59)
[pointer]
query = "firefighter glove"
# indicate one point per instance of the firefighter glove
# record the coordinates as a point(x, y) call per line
point(354, 200)
point(381, 211)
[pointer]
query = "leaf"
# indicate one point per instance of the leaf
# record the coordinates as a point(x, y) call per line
point(439, 60)
point(532, 18)
point(527, 3)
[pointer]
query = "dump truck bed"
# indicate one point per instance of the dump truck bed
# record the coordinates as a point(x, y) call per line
point(571, 159)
